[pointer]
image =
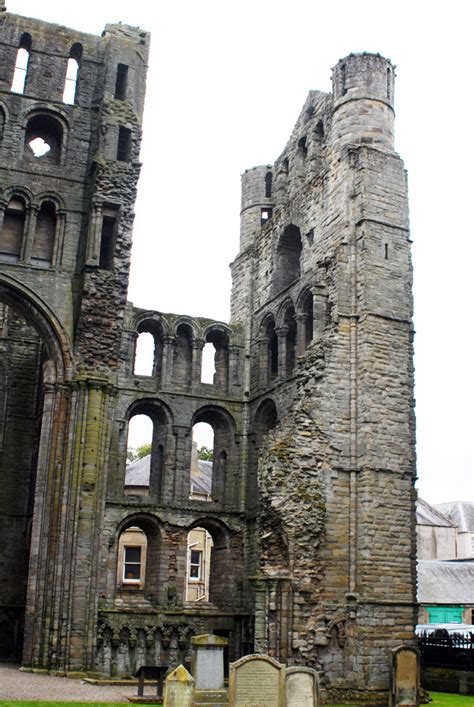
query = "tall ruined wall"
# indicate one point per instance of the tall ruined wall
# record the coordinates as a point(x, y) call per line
point(330, 347)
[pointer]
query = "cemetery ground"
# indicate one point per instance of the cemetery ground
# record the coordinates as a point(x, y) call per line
point(440, 699)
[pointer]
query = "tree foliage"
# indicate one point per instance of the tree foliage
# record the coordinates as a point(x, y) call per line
point(205, 454)
point(139, 452)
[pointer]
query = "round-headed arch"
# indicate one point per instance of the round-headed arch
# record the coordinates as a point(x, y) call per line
point(43, 320)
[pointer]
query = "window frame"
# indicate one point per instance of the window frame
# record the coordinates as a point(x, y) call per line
point(133, 581)
point(195, 564)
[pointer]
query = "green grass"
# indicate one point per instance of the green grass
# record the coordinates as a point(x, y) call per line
point(42, 703)
point(446, 698)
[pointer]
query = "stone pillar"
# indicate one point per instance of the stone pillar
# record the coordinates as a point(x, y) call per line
point(263, 361)
point(182, 475)
point(59, 237)
point(301, 333)
point(29, 233)
point(167, 361)
point(234, 366)
point(94, 234)
point(282, 333)
point(319, 312)
point(3, 206)
point(197, 347)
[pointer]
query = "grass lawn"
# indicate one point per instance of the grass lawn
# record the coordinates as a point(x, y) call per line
point(443, 699)
point(14, 703)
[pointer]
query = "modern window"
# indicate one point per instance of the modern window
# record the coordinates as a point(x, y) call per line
point(132, 564)
point(195, 565)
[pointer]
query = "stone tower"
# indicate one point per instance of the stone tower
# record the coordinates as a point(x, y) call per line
point(307, 518)
point(322, 288)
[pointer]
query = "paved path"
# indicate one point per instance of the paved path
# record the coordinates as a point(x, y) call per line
point(15, 685)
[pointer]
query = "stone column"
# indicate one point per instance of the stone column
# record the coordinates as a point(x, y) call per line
point(301, 333)
point(94, 234)
point(167, 361)
point(182, 475)
point(196, 366)
point(282, 333)
point(29, 233)
point(59, 238)
point(319, 312)
point(3, 206)
point(234, 366)
point(263, 361)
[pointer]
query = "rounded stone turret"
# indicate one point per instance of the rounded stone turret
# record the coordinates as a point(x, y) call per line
point(363, 87)
point(257, 202)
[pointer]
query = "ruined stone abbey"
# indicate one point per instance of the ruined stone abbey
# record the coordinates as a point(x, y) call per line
point(311, 505)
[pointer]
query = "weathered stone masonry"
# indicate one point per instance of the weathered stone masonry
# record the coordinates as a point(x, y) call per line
point(311, 510)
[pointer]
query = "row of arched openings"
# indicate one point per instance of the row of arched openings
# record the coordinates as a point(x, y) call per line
point(282, 342)
point(20, 75)
point(186, 358)
point(206, 555)
point(29, 234)
point(208, 455)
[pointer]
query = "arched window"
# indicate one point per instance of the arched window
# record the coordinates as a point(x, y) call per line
point(288, 257)
point(144, 354)
point(183, 356)
point(148, 430)
point(272, 351)
point(137, 558)
point(307, 310)
point(139, 447)
point(210, 477)
point(215, 359)
point(221, 563)
point(70, 84)
point(43, 138)
point(290, 324)
point(198, 565)
point(268, 185)
point(45, 234)
point(202, 458)
point(11, 238)
point(266, 418)
point(21, 64)
point(149, 349)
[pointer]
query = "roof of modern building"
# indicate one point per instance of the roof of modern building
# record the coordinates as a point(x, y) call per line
point(445, 582)
point(137, 473)
point(460, 513)
point(429, 515)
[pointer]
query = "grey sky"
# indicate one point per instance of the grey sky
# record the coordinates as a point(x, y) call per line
point(226, 83)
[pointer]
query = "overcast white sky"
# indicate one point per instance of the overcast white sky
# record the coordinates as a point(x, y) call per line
point(226, 84)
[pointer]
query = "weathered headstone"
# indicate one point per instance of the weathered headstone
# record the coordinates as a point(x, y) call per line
point(405, 677)
point(257, 681)
point(179, 688)
point(302, 687)
point(208, 661)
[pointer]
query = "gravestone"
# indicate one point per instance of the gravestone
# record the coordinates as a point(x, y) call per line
point(208, 661)
point(179, 688)
point(302, 687)
point(404, 677)
point(257, 681)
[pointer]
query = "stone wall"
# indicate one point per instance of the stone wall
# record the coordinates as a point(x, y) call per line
point(312, 502)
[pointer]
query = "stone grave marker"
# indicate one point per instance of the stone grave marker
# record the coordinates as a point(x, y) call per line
point(208, 661)
point(405, 677)
point(257, 681)
point(302, 687)
point(179, 688)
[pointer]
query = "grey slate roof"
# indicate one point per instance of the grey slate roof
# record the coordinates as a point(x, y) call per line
point(137, 473)
point(429, 515)
point(461, 513)
point(202, 480)
point(445, 582)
